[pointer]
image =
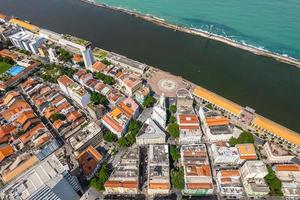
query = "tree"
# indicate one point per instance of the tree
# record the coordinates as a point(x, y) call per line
point(64, 55)
point(109, 137)
point(245, 137)
point(172, 120)
point(174, 151)
point(177, 179)
point(173, 130)
point(98, 98)
point(57, 116)
point(105, 78)
point(173, 108)
point(130, 138)
point(101, 177)
point(149, 101)
point(106, 62)
point(273, 182)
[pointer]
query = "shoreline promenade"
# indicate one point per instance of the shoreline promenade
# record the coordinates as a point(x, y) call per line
point(215, 37)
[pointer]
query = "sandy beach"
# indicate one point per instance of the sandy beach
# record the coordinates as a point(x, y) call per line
point(211, 36)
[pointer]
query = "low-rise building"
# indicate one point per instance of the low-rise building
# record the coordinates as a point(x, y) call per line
point(253, 173)
point(229, 184)
point(159, 112)
point(75, 91)
point(246, 151)
point(197, 172)
point(141, 94)
point(275, 154)
point(215, 126)
point(89, 161)
point(158, 170)
point(190, 131)
point(118, 119)
point(130, 83)
point(150, 133)
point(125, 177)
point(223, 155)
point(289, 175)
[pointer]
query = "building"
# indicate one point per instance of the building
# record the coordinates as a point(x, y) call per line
point(90, 135)
point(158, 170)
point(127, 63)
point(246, 151)
point(130, 83)
point(229, 184)
point(159, 113)
point(80, 46)
point(118, 119)
point(141, 94)
point(253, 173)
point(46, 180)
point(189, 126)
point(150, 133)
point(275, 154)
point(27, 41)
point(225, 156)
point(261, 124)
point(125, 177)
point(52, 55)
point(24, 25)
point(74, 91)
point(197, 172)
point(2, 18)
point(89, 161)
point(215, 126)
point(289, 175)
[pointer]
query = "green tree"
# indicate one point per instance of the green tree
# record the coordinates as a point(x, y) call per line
point(109, 137)
point(173, 130)
point(173, 108)
point(101, 177)
point(273, 182)
point(149, 101)
point(57, 116)
point(175, 153)
point(245, 137)
point(130, 138)
point(172, 120)
point(64, 55)
point(177, 179)
point(98, 98)
point(105, 78)
point(106, 62)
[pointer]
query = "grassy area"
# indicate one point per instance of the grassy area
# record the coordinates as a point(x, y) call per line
point(52, 72)
point(4, 67)
point(99, 53)
point(245, 137)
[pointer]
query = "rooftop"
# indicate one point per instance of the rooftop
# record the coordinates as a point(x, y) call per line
point(76, 40)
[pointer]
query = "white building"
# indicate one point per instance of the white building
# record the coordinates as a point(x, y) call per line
point(150, 133)
point(289, 175)
point(159, 113)
point(190, 131)
point(47, 180)
point(229, 184)
point(27, 41)
point(75, 91)
point(52, 55)
point(275, 154)
point(215, 127)
point(253, 173)
point(223, 155)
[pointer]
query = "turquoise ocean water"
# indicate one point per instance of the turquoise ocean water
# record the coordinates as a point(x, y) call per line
point(273, 25)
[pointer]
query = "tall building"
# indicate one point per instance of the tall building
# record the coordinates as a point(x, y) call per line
point(159, 113)
point(46, 180)
point(52, 55)
point(27, 41)
point(87, 55)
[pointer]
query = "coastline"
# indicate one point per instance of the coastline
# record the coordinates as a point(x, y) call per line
point(212, 36)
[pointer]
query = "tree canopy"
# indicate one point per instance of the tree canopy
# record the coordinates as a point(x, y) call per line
point(173, 130)
point(98, 181)
point(57, 116)
point(98, 98)
point(273, 182)
point(177, 178)
point(173, 108)
point(109, 137)
point(130, 138)
point(64, 55)
point(105, 78)
point(245, 137)
point(149, 101)
point(175, 153)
